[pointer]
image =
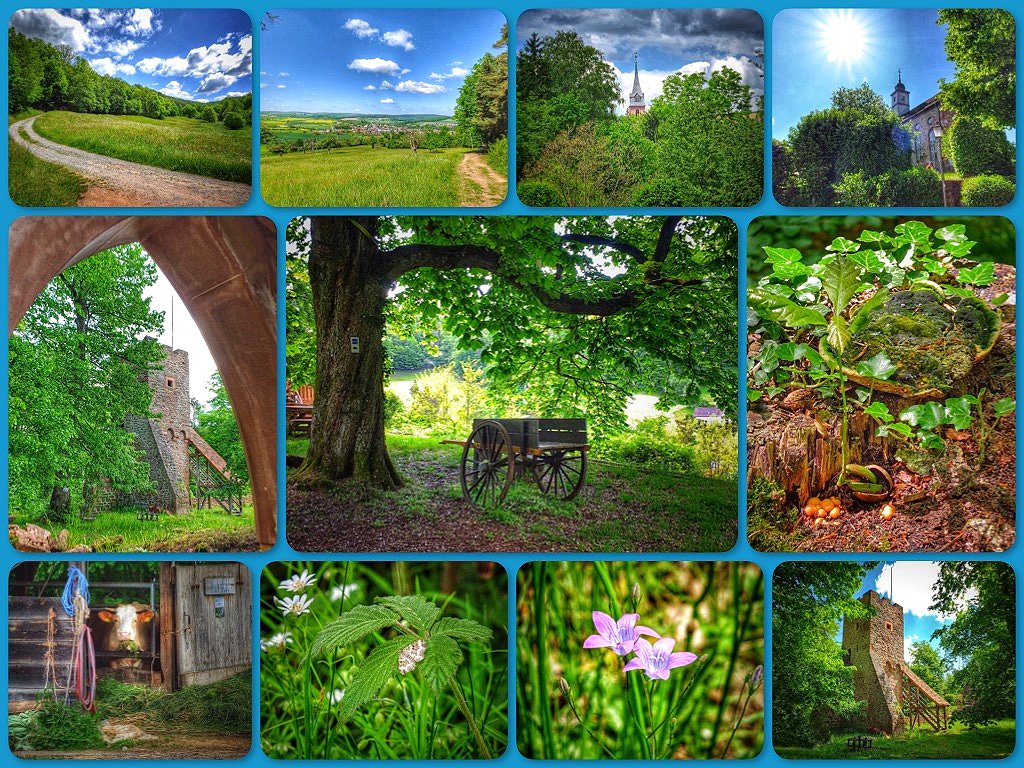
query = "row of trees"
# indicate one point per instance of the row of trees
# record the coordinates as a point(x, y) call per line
point(52, 77)
point(974, 665)
point(699, 143)
point(481, 110)
point(429, 139)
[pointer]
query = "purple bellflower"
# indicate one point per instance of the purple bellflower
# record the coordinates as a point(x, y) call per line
point(621, 636)
point(658, 659)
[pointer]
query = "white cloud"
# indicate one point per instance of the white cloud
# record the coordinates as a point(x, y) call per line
point(204, 61)
point(141, 23)
point(908, 640)
point(282, 86)
point(377, 65)
point(214, 83)
point(107, 66)
point(174, 89)
point(387, 101)
point(369, 87)
point(53, 27)
point(263, 85)
point(233, 94)
point(118, 49)
point(750, 73)
point(385, 85)
point(412, 86)
point(405, 71)
point(362, 29)
point(455, 64)
point(399, 38)
point(912, 583)
point(284, 74)
point(455, 72)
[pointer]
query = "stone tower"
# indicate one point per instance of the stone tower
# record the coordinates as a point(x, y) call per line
point(900, 96)
point(874, 646)
point(636, 96)
point(164, 438)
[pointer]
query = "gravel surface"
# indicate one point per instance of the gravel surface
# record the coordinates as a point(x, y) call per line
point(121, 183)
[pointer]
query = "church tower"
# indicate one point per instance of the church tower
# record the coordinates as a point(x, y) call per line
point(636, 96)
point(900, 96)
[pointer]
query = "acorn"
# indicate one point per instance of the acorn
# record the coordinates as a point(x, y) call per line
point(888, 512)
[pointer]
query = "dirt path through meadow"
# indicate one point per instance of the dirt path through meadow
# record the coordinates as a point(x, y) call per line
point(114, 182)
point(486, 188)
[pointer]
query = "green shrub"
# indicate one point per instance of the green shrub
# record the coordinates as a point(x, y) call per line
point(782, 172)
point(658, 193)
point(57, 726)
point(393, 407)
point(855, 190)
point(539, 194)
point(987, 191)
point(651, 452)
point(977, 150)
point(911, 187)
point(497, 156)
point(233, 121)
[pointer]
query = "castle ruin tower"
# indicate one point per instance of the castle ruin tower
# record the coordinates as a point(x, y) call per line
point(874, 646)
point(900, 96)
point(636, 96)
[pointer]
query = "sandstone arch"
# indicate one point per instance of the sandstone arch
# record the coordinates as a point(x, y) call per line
point(224, 268)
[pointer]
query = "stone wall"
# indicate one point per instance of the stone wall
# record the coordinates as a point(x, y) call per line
point(875, 646)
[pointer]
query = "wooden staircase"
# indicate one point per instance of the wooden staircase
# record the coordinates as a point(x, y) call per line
point(210, 480)
point(921, 703)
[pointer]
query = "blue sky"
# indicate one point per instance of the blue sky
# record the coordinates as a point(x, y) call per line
point(667, 41)
point(909, 584)
point(374, 61)
point(200, 55)
point(817, 51)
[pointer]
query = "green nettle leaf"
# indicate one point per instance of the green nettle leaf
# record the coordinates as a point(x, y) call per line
point(418, 611)
point(461, 629)
point(982, 274)
point(959, 411)
point(840, 281)
point(377, 668)
point(879, 411)
point(1004, 406)
point(877, 367)
point(926, 415)
point(843, 245)
point(350, 627)
point(784, 311)
point(442, 658)
point(838, 334)
point(895, 428)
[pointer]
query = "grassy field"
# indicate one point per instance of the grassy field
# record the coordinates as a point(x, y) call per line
point(175, 143)
point(362, 176)
point(620, 509)
point(121, 531)
point(34, 182)
point(990, 742)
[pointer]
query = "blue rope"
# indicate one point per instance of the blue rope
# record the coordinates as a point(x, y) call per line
point(76, 583)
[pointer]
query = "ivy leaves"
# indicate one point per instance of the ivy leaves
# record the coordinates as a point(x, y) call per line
point(418, 620)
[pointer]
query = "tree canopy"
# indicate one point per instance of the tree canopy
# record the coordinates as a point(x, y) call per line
point(809, 677)
point(982, 43)
point(481, 109)
point(75, 361)
point(578, 310)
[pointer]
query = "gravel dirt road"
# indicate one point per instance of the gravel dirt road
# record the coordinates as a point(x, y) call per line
point(115, 182)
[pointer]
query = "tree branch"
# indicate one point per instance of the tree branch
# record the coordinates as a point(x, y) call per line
point(605, 242)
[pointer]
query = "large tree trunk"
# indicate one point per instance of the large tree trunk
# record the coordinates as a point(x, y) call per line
point(349, 286)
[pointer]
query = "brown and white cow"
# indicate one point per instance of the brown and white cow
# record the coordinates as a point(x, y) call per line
point(124, 628)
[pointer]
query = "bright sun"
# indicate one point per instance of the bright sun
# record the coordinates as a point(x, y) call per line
point(842, 36)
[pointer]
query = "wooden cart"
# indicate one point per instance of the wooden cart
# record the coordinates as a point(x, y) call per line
point(551, 451)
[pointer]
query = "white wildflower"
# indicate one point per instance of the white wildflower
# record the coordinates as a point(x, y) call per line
point(294, 606)
point(342, 592)
point(280, 640)
point(298, 583)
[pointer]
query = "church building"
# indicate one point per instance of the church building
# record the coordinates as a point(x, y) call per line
point(636, 96)
point(923, 120)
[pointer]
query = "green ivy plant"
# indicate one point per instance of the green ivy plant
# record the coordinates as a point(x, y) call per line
point(806, 315)
point(426, 642)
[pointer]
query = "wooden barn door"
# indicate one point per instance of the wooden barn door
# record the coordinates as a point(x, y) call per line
point(209, 635)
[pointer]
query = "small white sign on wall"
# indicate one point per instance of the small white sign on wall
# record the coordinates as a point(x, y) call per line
point(355, 345)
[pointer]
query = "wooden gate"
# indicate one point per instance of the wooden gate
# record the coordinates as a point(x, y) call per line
point(27, 619)
point(207, 634)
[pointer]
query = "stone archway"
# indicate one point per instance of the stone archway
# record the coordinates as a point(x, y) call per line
point(224, 268)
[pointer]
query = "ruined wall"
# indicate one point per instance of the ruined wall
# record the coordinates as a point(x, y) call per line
point(875, 646)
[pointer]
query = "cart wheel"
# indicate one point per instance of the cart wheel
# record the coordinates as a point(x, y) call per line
point(488, 466)
point(561, 472)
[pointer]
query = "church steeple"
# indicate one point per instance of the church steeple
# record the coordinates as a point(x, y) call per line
point(636, 96)
point(900, 95)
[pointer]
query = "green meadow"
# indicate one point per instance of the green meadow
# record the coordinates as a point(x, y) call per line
point(175, 143)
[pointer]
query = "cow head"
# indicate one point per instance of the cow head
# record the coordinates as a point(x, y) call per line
point(126, 620)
